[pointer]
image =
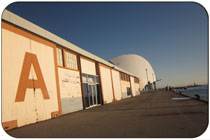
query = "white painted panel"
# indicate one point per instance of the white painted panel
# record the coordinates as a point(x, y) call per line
point(13, 51)
point(70, 90)
point(116, 84)
point(133, 86)
point(137, 88)
point(88, 67)
point(25, 111)
point(124, 86)
point(106, 84)
point(34, 108)
point(45, 56)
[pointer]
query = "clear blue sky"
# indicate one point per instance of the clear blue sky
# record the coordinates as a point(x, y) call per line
point(173, 37)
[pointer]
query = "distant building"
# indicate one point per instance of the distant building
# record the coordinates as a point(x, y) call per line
point(139, 66)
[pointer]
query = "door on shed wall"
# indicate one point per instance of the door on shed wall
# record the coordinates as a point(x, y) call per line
point(12, 61)
point(116, 85)
point(37, 97)
point(45, 98)
point(106, 82)
point(132, 86)
point(92, 92)
point(33, 107)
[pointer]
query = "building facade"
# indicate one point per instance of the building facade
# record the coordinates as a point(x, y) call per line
point(44, 76)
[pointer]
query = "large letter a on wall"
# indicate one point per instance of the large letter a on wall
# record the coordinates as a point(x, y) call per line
point(25, 82)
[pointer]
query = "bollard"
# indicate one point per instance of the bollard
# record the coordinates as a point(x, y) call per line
point(197, 96)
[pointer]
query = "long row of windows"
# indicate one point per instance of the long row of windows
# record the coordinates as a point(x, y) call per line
point(124, 77)
point(70, 59)
point(71, 62)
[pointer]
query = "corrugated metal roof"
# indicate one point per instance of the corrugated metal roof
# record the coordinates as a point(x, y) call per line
point(21, 22)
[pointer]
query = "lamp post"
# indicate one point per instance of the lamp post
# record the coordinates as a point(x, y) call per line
point(147, 75)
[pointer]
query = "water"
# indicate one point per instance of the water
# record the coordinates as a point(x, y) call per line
point(202, 91)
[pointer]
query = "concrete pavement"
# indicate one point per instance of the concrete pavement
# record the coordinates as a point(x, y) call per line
point(151, 115)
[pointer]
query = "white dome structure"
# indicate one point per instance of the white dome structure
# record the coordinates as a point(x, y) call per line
point(137, 65)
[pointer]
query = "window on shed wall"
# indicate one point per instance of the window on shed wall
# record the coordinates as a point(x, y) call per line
point(84, 78)
point(120, 76)
point(71, 60)
point(136, 80)
point(59, 56)
point(124, 77)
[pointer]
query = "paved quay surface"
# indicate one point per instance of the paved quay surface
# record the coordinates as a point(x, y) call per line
point(149, 115)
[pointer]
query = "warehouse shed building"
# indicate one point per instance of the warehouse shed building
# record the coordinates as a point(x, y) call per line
point(44, 76)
